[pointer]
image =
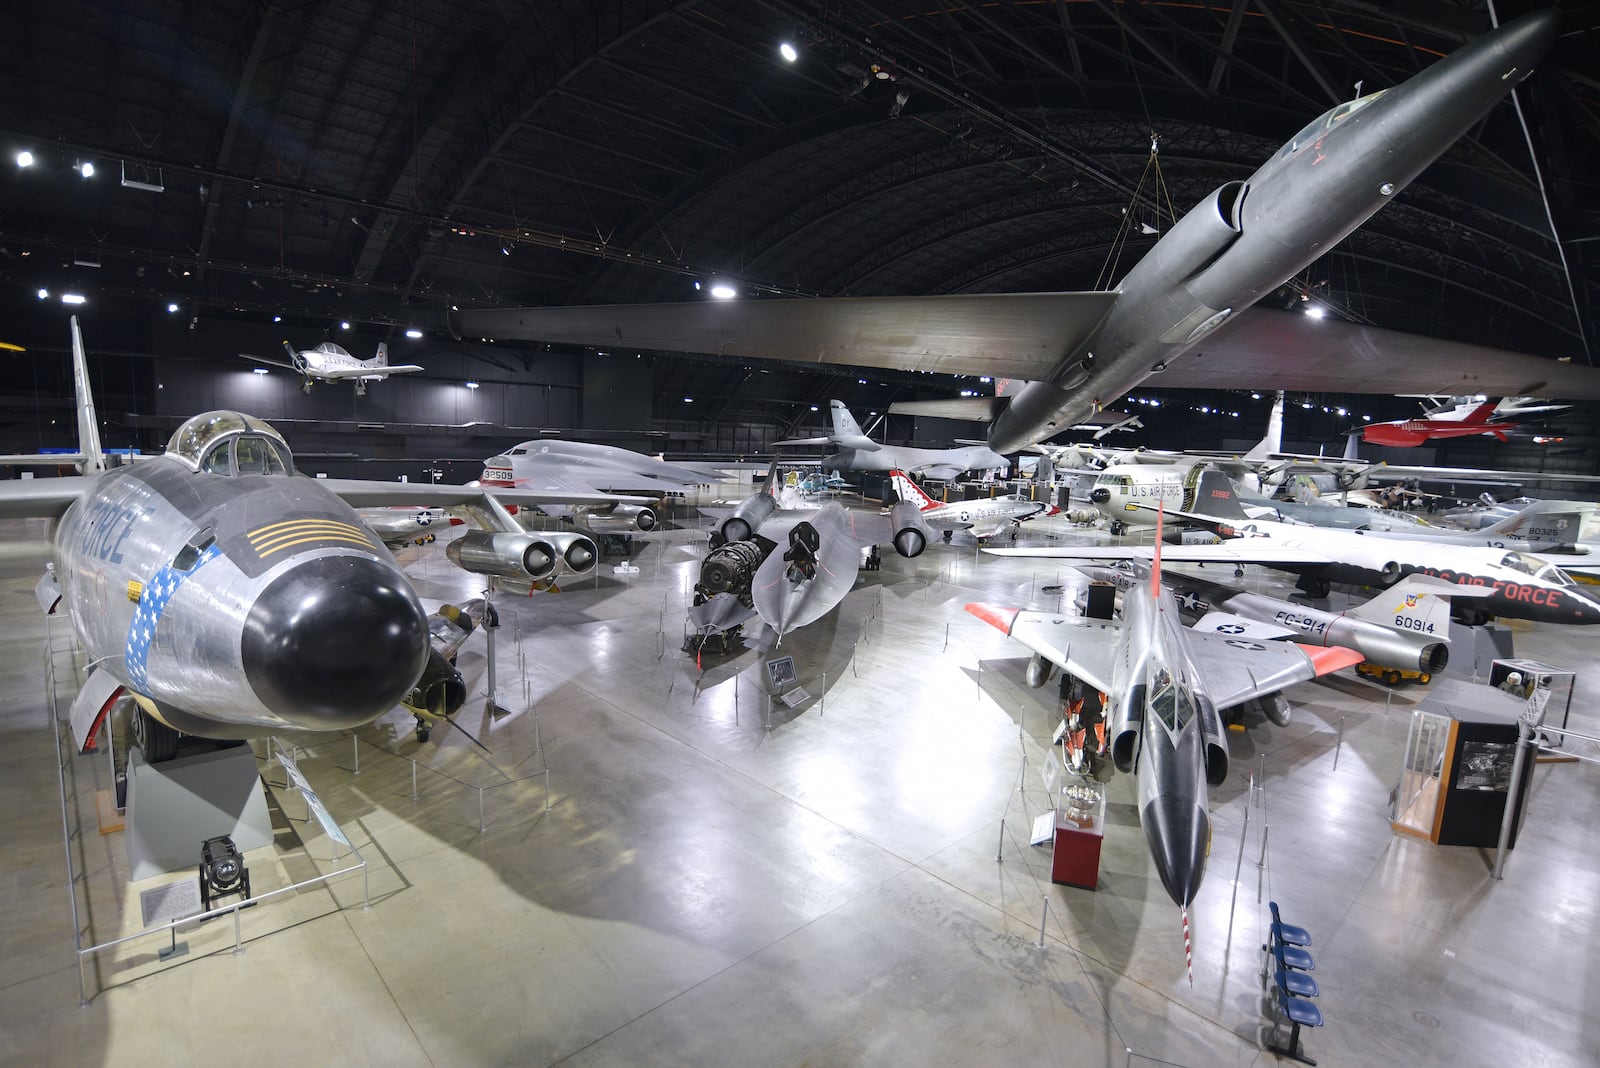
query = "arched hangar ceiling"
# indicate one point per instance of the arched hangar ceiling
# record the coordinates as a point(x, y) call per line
point(376, 161)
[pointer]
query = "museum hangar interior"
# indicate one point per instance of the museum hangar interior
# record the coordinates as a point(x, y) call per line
point(702, 878)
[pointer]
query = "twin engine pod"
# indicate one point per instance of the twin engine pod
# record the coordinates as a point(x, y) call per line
point(538, 555)
point(623, 519)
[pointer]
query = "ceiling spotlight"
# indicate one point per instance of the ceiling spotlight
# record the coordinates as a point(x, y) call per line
point(277, 318)
point(1255, 396)
point(345, 325)
point(505, 249)
point(1305, 404)
point(723, 292)
point(813, 407)
point(688, 400)
point(1316, 311)
point(413, 333)
point(787, 51)
point(472, 385)
point(24, 158)
point(86, 169)
point(260, 371)
point(172, 307)
point(44, 294)
point(73, 298)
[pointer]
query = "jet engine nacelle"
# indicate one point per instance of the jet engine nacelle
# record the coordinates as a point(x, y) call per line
point(1040, 669)
point(748, 517)
point(1198, 238)
point(911, 533)
point(440, 692)
point(1126, 727)
point(623, 519)
point(730, 568)
point(1390, 648)
point(1216, 744)
point(538, 555)
point(1275, 707)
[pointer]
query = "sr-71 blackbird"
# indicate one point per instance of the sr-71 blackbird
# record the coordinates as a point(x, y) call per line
point(1078, 352)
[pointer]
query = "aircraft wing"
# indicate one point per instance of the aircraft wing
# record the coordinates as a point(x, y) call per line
point(40, 498)
point(1263, 348)
point(364, 493)
point(944, 472)
point(1233, 670)
point(344, 374)
point(1005, 335)
point(971, 409)
point(1235, 551)
point(1082, 647)
point(1231, 626)
point(287, 366)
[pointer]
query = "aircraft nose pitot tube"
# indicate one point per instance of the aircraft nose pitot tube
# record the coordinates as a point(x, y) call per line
point(334, 642)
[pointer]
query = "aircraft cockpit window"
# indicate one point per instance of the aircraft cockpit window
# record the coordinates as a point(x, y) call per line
point(1554, 575)
point(257, 456)
point(206, 443)
point(219, 461)
point(519, 452)
point(1528, 565)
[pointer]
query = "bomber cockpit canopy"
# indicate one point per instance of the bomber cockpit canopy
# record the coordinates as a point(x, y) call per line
point(230, 443)
point(1538, 567)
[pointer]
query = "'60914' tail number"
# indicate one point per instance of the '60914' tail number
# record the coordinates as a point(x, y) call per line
point(1408, 623)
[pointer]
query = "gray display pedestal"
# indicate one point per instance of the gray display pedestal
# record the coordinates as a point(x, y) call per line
point(175, 806)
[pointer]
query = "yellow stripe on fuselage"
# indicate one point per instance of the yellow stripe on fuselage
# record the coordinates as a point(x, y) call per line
point(276, 537)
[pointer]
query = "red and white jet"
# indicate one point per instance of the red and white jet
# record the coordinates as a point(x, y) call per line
point(1457, 417)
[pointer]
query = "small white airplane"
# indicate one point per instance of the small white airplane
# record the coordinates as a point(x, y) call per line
point(985, 517)
point(331, 363)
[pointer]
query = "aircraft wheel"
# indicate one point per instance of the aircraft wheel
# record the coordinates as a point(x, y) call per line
point(156, 740)
point(431, 538)
point(1391, 677)
point(423, 731)
point(1238, 572)
point(1425, 678)
point(1118, 528)
point(947, 536)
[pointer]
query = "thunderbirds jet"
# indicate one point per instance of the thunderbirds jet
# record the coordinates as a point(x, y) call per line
point(1459, 417)
point(857, 452)
point(228, 597)
point(1167, 686)
point(331, 363)
point(984, 517)
point(1191, 293)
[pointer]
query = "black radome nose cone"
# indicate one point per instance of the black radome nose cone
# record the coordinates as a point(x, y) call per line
point(335, 642)
point(1178, 831)
point(1099, 495)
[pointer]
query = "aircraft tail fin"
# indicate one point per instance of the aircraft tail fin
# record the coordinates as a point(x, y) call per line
point(1214, 496)
point(1351, 452)
point(382, 358)
point(1417, 604)
point(1544, 521)
point(908, 490)
point(88, 423)
point(769, 485)
point(1272, 441)
point(1482, 413)
point(847, 433)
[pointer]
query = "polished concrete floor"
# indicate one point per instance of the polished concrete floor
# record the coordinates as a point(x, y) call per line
point(703, 885)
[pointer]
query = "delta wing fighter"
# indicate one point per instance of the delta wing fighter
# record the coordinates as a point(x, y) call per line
point(1167, 687)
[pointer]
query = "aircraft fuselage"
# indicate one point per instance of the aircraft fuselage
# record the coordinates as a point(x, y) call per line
point(1247, 238)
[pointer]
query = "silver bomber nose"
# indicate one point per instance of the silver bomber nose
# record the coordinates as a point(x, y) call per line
point(334, 642)
point(1178, 830)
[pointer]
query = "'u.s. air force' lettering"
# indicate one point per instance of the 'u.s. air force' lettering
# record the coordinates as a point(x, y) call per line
point(152, 602)
point(106, 525)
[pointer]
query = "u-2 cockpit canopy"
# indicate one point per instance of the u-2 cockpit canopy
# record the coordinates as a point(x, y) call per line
point(1325, 122)
point(230, 443)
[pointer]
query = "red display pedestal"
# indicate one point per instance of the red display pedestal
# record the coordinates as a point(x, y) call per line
point(1080, 829)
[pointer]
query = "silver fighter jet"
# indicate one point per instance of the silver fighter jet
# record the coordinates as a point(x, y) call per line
point(228, 596)
point(1166, 686)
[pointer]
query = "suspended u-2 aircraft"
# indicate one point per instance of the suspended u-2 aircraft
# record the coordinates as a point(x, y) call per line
point(329, 362)
point(1078, 352)
point(229, 597)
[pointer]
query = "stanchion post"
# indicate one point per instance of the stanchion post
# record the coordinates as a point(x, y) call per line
point(481, 825)
point(355, 753)
point(413, 780)
point(1000, 847)
point(1338, 744)
point(1524, 750)
point(1044, 914)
